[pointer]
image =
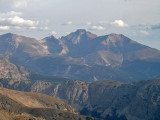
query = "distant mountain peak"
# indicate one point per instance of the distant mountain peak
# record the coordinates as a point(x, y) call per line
point(9, 35)
point(50, 38)
point(52, 44)
point(81, 30)
point(113, 34)
point(79, 35)
point(117, 38)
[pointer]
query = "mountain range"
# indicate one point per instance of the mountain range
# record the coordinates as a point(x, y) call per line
point(105, 99)
point(109, 77)
point(84, 56)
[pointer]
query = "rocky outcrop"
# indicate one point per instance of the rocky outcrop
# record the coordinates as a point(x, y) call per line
point(106, 99)
point(11, 73)
point(110, 99)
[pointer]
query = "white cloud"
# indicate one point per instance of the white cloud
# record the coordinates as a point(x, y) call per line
point(4, 27)
point(69, 22)
point(119, 23)
point(33, 28)
point(97, 28)
point(18, 21)
point(53, 33)
point(10, 14)
point(144, 32)
point(13, 19)
point(88, 23)
point(45, 28)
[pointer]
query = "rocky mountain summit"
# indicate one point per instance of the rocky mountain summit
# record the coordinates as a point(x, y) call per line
point(84, 56)
point(109, 50)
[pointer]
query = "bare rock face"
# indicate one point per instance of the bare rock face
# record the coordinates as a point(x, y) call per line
point(108, 99)
point(8, 70)
point(52, 44)
point(11, 74)
point(72, 91)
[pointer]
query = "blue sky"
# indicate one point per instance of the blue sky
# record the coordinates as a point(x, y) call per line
point(137, 19)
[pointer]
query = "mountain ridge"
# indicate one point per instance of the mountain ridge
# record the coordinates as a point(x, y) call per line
point(16, 105)
point(80, 54)
point(106, 99)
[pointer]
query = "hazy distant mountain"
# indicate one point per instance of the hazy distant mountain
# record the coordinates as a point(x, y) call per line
point(105, 50)
point(20, 49)
point(83, 55)
point(111, 56)
point(12, 43)
point(78, 42)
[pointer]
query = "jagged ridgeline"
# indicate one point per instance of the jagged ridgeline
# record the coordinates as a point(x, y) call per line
point(84, 56)
point(106, 99)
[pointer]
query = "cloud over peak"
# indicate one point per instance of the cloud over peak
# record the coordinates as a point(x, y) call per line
point(18, 21)
point(4, 27)
point(119, 23)
point(97, 28)
point(13, 19)
point(53, 33)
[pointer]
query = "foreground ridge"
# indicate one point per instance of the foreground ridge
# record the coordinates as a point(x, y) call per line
point(16, 105)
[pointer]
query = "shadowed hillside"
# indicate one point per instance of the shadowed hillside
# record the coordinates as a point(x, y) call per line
point(17, 105)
